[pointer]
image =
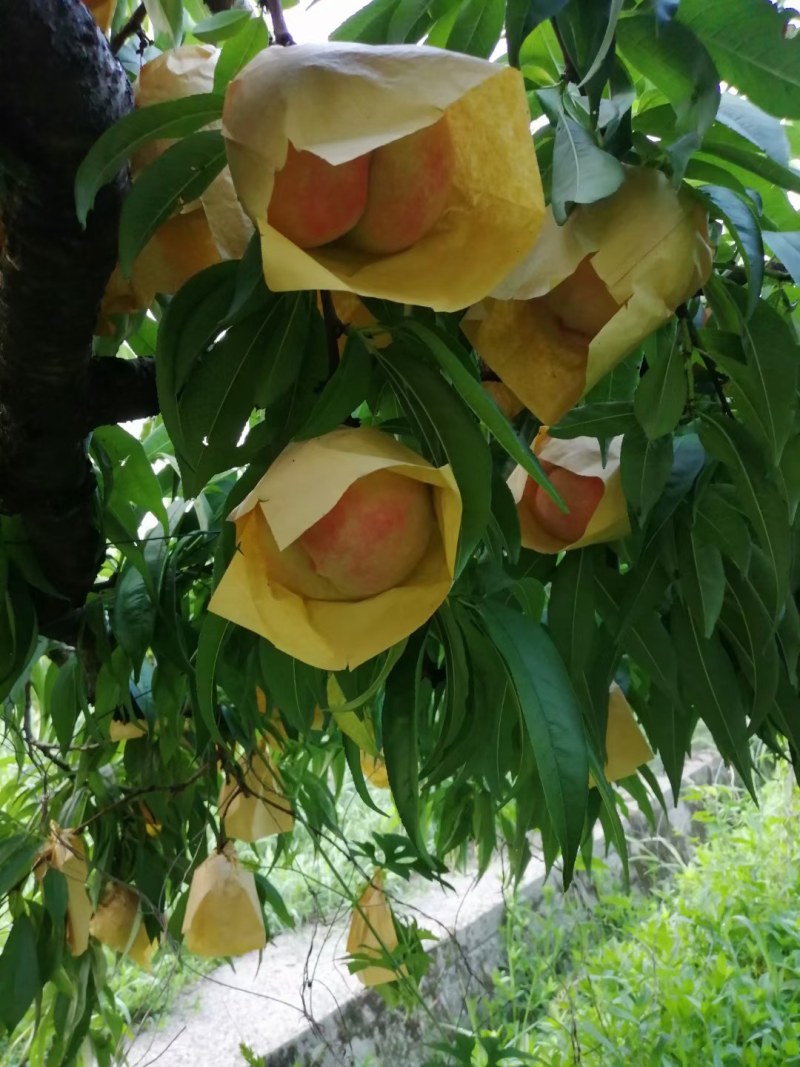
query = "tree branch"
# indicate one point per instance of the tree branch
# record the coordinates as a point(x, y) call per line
point(119, 390)
point(280, 30)
point(53, 276)
point(132, 27)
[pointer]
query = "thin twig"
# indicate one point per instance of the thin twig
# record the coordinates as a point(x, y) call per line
point(716, 378)
point(280, 30)
point(131, 27)
point(134, 794)
point(570, 74)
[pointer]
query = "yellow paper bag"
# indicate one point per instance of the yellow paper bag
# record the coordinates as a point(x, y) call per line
point(102, 12)
point(341, 101)
point(374, 770)
point(372, 933)
point(126, 731)
point(205, 231)
point(581, 456)
point(113, 924)
point(302, 485)
point(626, 745)
point(591, 290)
point(223, 916)
point(259, 807)
point(65, 852)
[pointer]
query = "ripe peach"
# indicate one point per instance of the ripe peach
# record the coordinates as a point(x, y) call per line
point(409, 184)
point(313, 201)
point(374, 537)
point(581, 304)
point(580, 493)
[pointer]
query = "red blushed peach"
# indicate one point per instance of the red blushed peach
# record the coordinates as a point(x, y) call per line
point(409, 185)
point(313, 201)
point(581, 304)
point(374, 537)
point(580, 493)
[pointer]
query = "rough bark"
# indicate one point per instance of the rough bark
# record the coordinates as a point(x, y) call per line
point(60, 88)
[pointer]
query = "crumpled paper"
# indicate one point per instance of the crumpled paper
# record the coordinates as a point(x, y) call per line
point(209, 229)
point(65, 852)
point(343, 100)
point(648, 245)
point(581, 455)
point(223, 916)
point(102, 12)
point(372, 933)
point(626, 745)
point(301, 486)
point(113, 924)
point(259, 807)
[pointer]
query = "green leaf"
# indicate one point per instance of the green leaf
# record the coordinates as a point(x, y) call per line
point(209, 648)
point(784, 177)
point(477, 28)
point(702, 578)
point(400, 711)
point(19, 972)
point(603, 420)
point(167, 18)
point(174, 118)
point(191, 321)
point(582, 172)
point(221, 26)
point(552, 717)
point(570, 613)
point(405, 17)
point(476, 397)
point(179, 176)
point(446, 425)
point(710, 682)
point(370, 25)
point(645, 467)
point(740, 219)
point(605, 44)
point(674, 60)
point(743, 117)
point(763, 370)
point(731, 444)
point(751, 49)
point(251, 38)
point(292, 685)
point(343, 391)
point(749, 631)
point(719, 522)
point(16, 858)
point(663, 391)
point(352, 754)
point(254, 362)
point(134, 615)
point(67, 700)
point(134, 478)
point(786, 247)
point(522, 18)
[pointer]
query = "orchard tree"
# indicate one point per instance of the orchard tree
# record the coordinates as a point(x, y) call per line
point(465, 464)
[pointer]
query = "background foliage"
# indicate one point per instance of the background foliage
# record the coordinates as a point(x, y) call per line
point(695, 613)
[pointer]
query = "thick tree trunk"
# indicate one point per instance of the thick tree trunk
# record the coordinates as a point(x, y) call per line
point(60, 88)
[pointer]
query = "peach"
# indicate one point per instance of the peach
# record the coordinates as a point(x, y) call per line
point(581, 304)
point(374, 537)
point(409, 185)
point(580, 493)
point(313, 201)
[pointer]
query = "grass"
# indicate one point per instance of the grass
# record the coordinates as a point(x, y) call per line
point(706, 969)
